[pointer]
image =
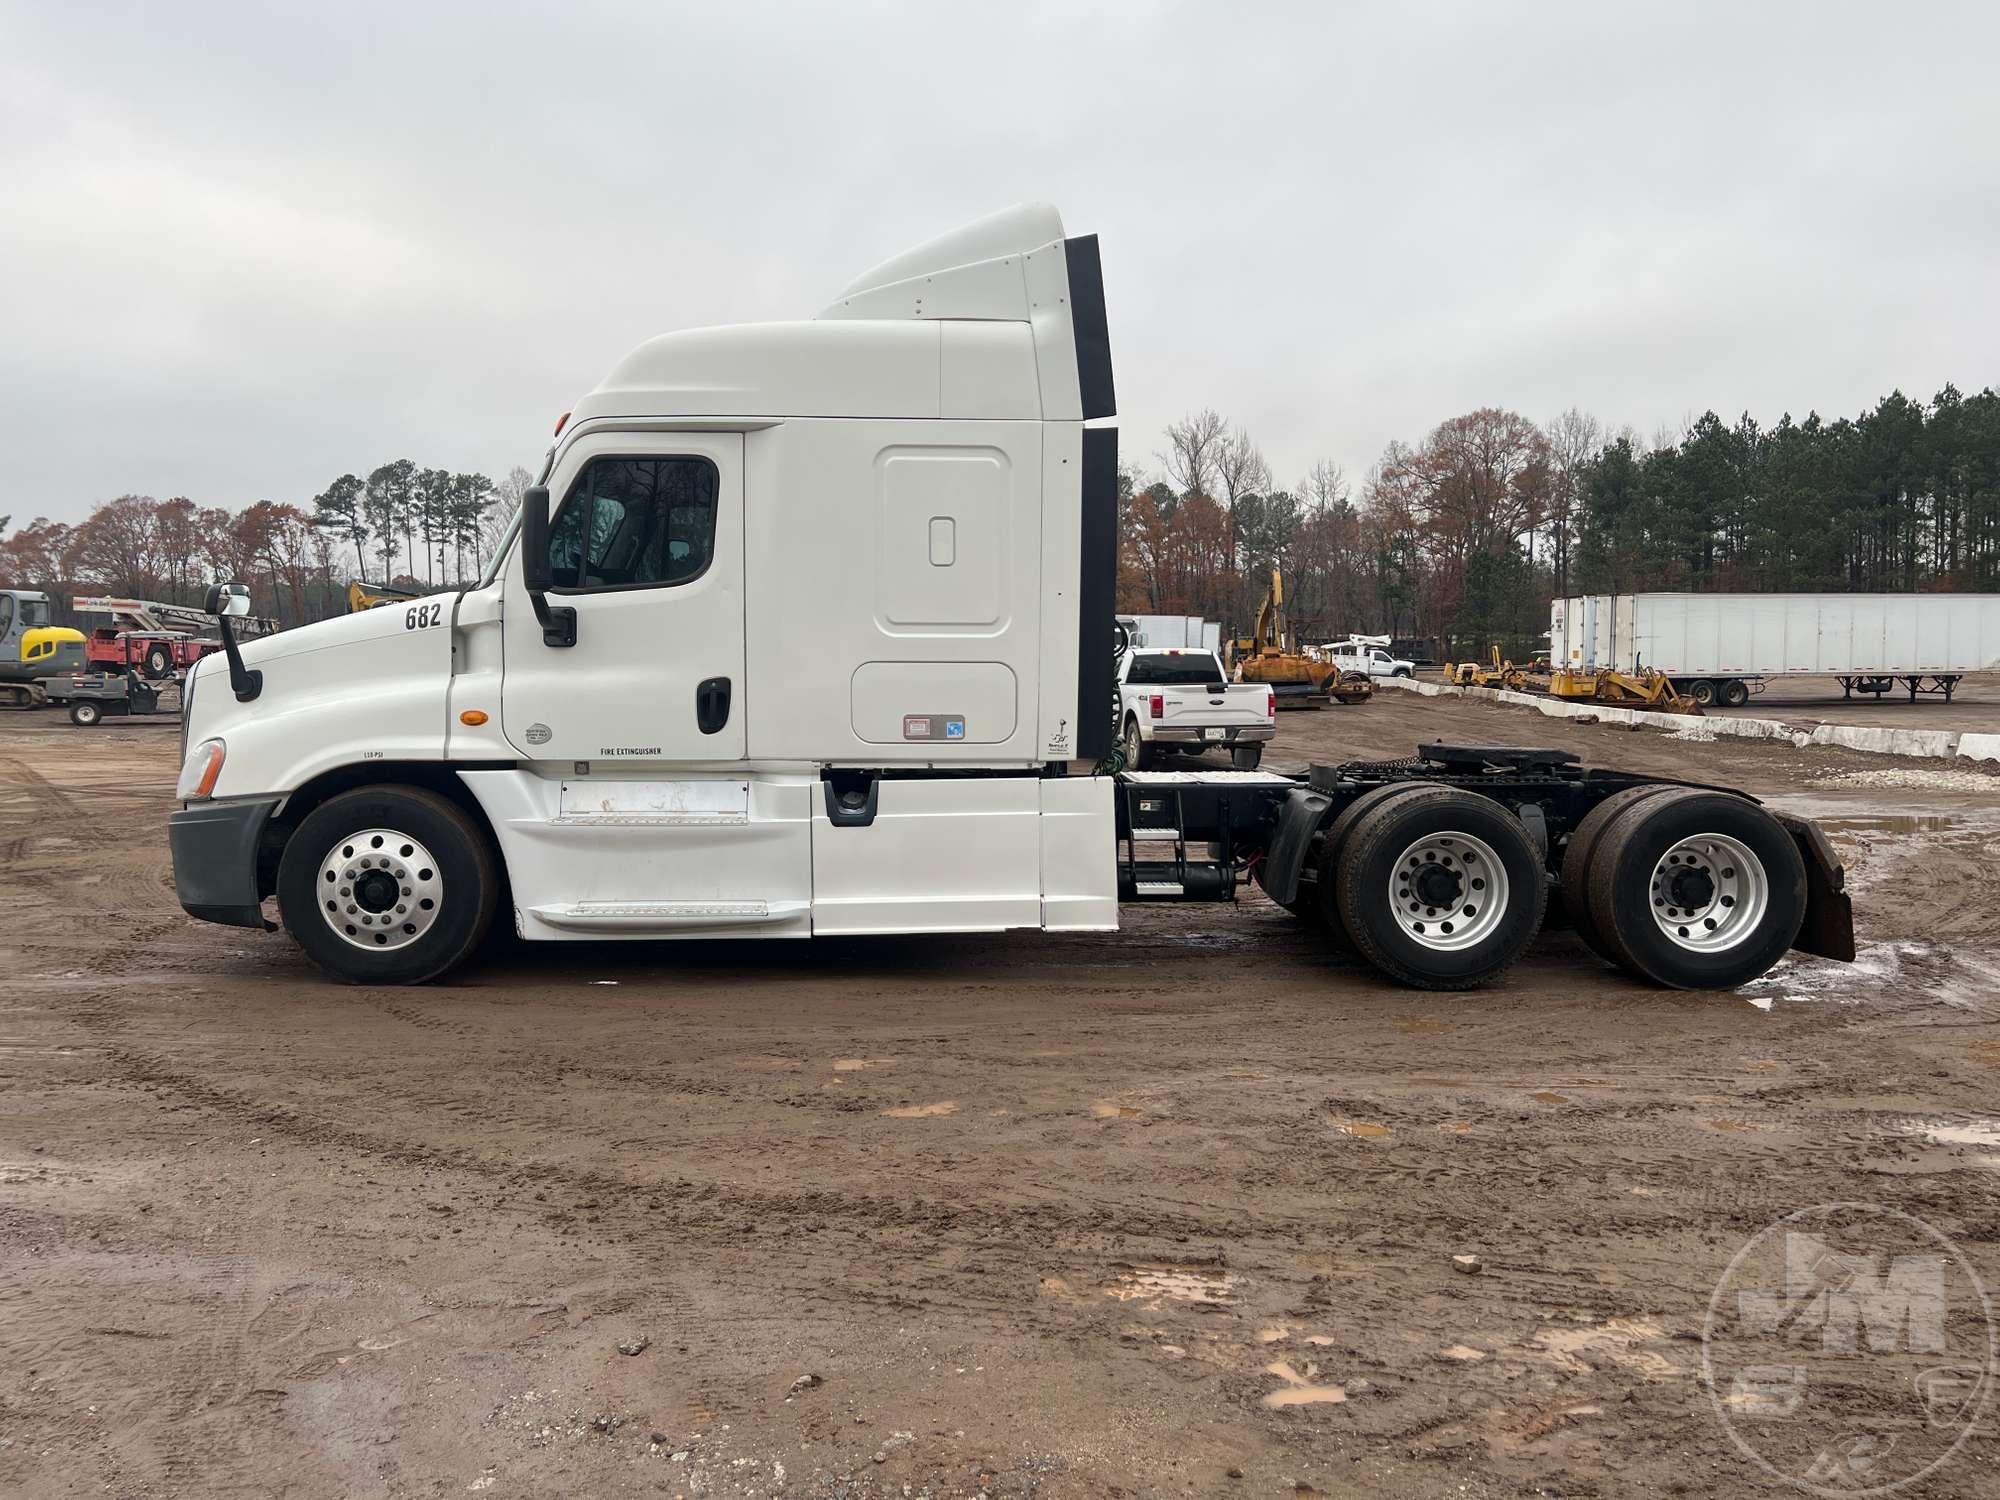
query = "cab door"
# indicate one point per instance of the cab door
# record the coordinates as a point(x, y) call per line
point(646, 545)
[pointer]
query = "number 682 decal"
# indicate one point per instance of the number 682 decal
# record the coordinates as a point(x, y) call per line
point(423, 616)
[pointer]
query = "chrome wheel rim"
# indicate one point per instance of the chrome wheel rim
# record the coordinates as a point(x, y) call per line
point(1449, 891)
point(380, 889)
point(1709, 893)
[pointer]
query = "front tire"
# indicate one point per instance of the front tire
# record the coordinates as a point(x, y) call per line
point(159, 662)
point(1439, 888)
point(1697, 890)
point(85, 715)
point(388, 885)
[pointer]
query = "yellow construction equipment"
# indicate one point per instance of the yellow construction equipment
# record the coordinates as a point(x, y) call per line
point(362, 595)
point(1502, 674)
point(1296, 679)
point(32, 649)
point(1645, 688)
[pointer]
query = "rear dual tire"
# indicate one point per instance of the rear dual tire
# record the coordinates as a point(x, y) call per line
point(1686, 888)
point(1438, 888)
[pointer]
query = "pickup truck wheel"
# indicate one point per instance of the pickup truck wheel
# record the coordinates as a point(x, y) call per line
point(1582, 849)
point(387, 885)
point(1698, 890)
point(1246, 757)
point(1138, 754)
point(1440, 888)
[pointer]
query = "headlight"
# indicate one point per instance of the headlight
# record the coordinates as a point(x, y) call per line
point(199, 774)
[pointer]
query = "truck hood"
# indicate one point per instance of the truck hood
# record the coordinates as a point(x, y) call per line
point(366, 686)
point(340, 630)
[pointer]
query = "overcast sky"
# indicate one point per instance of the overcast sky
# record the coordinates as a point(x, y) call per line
point(246, 248)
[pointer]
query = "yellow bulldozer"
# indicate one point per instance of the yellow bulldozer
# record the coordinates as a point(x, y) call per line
point(1296, 679)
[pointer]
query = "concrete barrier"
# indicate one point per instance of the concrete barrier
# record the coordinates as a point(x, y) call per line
point(1924, 743)
point(1979, 746)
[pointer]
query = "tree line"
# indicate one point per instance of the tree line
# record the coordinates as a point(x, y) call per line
point(1459, 539)
point(1462, 538)
point(413, 528)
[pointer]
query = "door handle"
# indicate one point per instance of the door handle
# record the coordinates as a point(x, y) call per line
point(711, 704)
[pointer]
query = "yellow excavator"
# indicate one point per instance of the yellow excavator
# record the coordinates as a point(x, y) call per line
point(361, 595)
point(1296, 680)
point(31, 648)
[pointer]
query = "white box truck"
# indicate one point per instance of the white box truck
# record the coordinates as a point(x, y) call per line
point(1720, 648)
point(807, 628)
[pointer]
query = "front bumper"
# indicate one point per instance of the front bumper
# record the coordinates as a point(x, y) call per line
point(214, 847)
point(1235, 734)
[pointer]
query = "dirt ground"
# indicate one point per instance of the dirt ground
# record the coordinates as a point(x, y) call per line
point(1168, 1212)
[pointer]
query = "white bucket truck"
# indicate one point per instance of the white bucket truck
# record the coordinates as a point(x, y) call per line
point(805, 629)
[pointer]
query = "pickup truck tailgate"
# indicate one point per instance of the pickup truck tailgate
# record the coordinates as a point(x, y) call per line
point(1236, 704)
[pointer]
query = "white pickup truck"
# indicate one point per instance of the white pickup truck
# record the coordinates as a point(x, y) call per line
point(1369, 657)
point(1183, 700)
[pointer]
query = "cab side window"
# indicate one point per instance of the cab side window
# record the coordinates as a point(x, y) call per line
point(6, 614)
point(631, 523)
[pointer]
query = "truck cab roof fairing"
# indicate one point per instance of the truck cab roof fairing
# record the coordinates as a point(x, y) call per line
point(1011, 266)
point(1021, 323)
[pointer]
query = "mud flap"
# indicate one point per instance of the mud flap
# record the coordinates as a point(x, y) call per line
point(1298, 820)
point(1828, 930)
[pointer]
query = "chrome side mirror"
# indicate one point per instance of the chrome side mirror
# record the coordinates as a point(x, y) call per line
point(228, 601)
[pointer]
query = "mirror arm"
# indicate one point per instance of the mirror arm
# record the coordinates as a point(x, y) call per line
point(558, 621)
point(245, 682)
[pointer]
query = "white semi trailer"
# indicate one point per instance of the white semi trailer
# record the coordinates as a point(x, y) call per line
point(1720, 648)
point(807, 628)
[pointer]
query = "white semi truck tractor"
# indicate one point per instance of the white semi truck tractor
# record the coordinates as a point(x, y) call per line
point(807, 628)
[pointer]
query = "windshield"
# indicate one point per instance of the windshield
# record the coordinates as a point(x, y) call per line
point(1190, 670)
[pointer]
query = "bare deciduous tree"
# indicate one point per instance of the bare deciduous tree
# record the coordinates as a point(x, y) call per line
point(1575, 438)
point(1193, 449)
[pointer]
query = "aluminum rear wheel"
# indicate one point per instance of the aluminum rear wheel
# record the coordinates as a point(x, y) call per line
point(1449, 891)
point(1709, 893)
point(380, 889)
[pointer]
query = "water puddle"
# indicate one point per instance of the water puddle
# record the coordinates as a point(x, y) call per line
point(1464, 1354)
point(849, 1064)
point(1204, 1286)
point(1618, 1341)
point(1549, 1096)
point(1273, 1335)
point(1113, 1111)
point(1728, 1125)
point(1299, 1389)
point(1362, 1129)
point(1891, 823)
point(1972, 1132)
point(922, 1111)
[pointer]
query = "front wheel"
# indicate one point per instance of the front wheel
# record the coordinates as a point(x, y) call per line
point(159, 662)
point(387, 885)
point(1439, 888)
point(85, 715)
point(1246, 757)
